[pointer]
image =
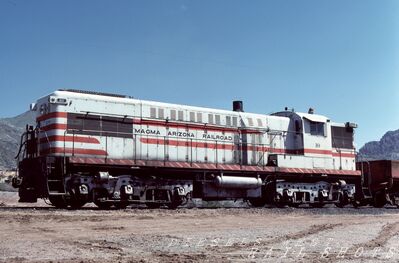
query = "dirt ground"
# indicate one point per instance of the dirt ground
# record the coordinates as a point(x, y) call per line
point(40, 233)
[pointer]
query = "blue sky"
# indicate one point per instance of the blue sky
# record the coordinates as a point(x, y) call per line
point(340, 57)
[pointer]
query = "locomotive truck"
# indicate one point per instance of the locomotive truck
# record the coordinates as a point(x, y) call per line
point(115, 150)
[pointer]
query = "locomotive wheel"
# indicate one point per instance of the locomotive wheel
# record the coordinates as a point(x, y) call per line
point(103, 205)
point(153, 205)
point(58, 201)
point(174, 204)
point(379, 199)
point(121, 205)
point(278, 201)
point(316, 205)
point(257, 202)
point(339, 205)
point(176, 200)
point(343, 200)
point(280, 205)
point(76, 203)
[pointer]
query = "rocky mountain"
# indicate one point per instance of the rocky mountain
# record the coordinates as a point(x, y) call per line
point(10, 135)
point(386, 148)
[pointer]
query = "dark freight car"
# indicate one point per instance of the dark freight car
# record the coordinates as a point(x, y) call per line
point(380, 181)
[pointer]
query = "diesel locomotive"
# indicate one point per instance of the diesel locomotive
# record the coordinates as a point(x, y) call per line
point(116, 150)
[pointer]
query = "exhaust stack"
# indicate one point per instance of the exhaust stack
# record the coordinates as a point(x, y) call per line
point(238, 106)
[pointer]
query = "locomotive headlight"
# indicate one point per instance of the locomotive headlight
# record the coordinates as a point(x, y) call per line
point(57, 100)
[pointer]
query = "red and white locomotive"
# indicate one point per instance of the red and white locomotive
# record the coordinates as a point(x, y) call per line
point(116, 150)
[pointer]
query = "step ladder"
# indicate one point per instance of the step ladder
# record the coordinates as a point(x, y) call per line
point(366, 192)
point(55, 184)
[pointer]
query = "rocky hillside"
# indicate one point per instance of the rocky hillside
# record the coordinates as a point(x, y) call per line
point(386, 148)
point(10, 134)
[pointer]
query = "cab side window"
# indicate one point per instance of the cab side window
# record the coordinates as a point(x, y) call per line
point(317, 128)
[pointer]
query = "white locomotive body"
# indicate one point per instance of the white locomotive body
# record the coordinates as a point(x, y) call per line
point(195, 150)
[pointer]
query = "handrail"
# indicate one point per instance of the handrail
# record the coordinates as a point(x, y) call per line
point(45, 133)
point(266, 148)
point(64, 142)
point(21, 144)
